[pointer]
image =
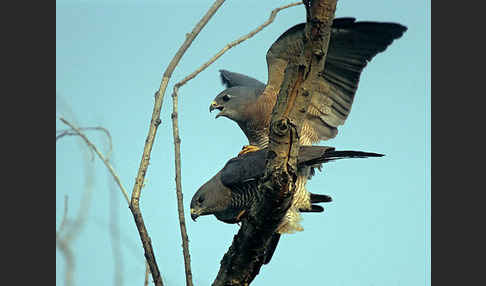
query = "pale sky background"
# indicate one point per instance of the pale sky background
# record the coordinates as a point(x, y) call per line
point(110, 56)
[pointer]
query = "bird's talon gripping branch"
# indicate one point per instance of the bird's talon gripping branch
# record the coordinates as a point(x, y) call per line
point(248, 149)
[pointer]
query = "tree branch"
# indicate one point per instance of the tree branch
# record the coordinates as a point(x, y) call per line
point(177, 140)
point(236, 42)
point(180, 205)
point(243, 261)
point(69, 132)
point(70, 228)
point(63, 243)
point(105, 160)
point(64, 247)
point(69, 258)
point(154, 123)
point(64, 217)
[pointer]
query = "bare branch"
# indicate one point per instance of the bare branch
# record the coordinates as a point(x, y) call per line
point(69, 231)
point(243, 261)
point(69, 132)
point(177, 140)
point(154, 123)
point(64, 217)
point(180, 206)
point(63, 245)
point(236, 42)
point(105, 160)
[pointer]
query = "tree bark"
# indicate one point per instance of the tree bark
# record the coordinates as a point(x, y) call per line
point(243, 261)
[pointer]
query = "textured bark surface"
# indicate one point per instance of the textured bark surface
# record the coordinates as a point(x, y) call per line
point(243, 261)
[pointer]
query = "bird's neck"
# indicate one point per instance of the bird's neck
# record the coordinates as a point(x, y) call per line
point(256, 136)
point(257, 126)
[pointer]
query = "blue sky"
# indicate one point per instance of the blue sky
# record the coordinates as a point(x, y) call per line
point(110, 56)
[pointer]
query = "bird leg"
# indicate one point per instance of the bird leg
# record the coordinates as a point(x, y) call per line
point(238, 217)
point(248, 149)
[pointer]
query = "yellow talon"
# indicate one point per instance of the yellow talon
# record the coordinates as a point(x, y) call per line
point(238, 217)
point(247, 149)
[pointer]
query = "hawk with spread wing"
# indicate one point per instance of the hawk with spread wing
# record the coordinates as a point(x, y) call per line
point(249, 102)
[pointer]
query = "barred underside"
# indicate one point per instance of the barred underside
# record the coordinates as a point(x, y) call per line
point(291, 221)
point(301, 200)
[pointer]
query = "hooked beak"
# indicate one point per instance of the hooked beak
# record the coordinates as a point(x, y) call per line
point(214, 106)
point(194, 214)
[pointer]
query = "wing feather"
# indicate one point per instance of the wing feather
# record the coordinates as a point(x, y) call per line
point(352, 45)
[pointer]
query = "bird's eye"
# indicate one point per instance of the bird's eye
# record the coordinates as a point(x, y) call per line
point(226, 97)
point(200, 199)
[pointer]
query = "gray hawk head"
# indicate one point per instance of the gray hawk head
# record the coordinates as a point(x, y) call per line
point(206, 202)
point(234, 102)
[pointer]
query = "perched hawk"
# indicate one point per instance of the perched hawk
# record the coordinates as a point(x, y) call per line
point(249, 102)
point(233, 190)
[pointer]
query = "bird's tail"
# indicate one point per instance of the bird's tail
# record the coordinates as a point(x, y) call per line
point(314, 199)
point(332, 155)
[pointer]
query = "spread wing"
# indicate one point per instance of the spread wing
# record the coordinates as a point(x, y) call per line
point(352, 45)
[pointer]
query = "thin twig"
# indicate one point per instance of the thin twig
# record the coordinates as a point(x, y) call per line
point(69, 132)
point(105, 160)
point(177, 140)
point(64, 247)
point(154, 123)
point(64, 217)
point(76, 225)
point(64, 239)
point(236, 42)
point(180, 206)
point(69, 258)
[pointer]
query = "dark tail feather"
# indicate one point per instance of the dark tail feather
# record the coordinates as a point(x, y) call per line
point(314, 209)
point(316, 198)
point(332, 155)
point(270, 249)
